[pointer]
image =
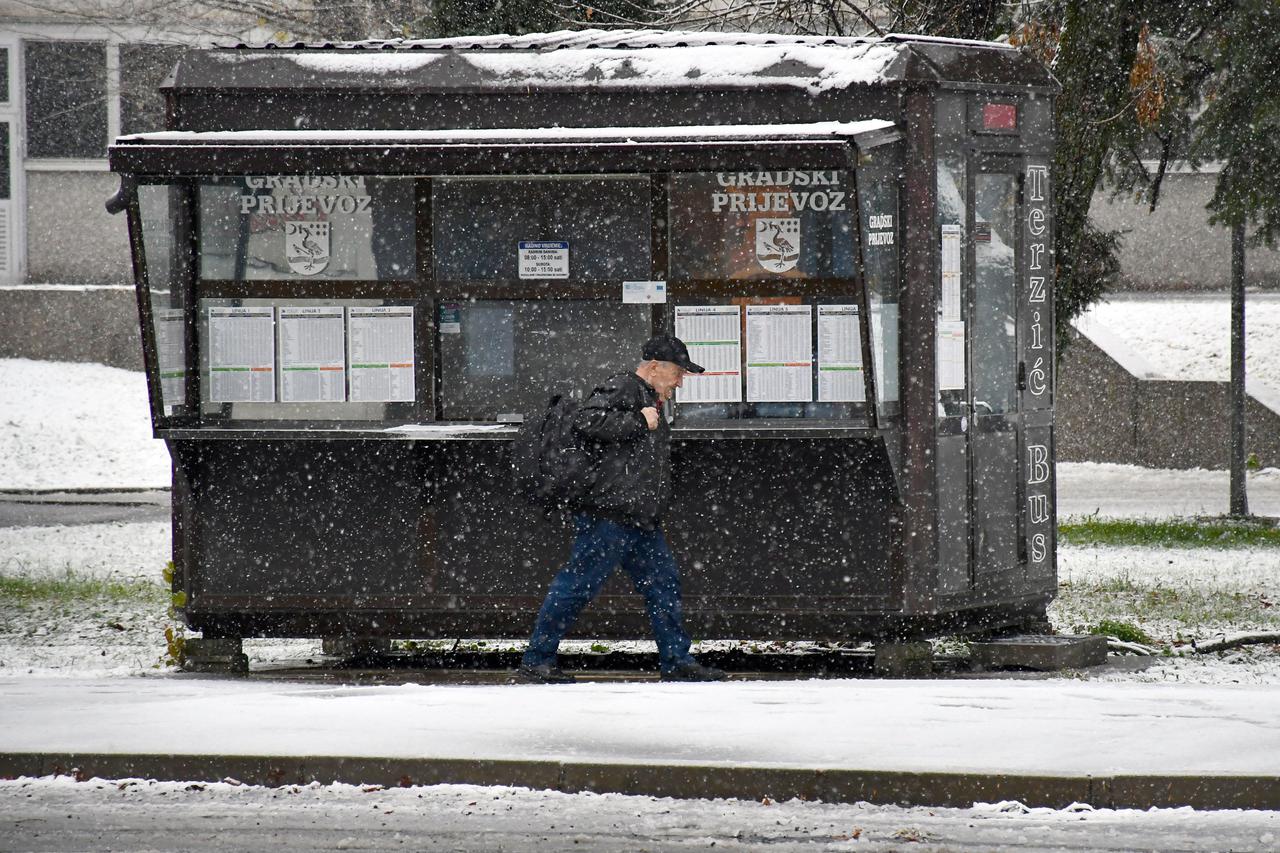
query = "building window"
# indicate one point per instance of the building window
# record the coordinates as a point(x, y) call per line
point(4, 75)
point(66, 99)
point(143, 67)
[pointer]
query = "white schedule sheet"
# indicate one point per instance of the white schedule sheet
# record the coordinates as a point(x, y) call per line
point(950, 356)
point(172, 350)
point(312, 354)
point(380, 352)
point(779, 353)
point(840, 355)
point(713, 334)
point(242, 353)
point(951, 267)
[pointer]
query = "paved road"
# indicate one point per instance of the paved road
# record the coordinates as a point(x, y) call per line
point(49, 509)
point(61, 815)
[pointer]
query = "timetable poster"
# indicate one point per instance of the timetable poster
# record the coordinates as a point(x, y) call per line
point(779, 353)
point(950, 356)
point(840, 378)
point(951, 267)
point(713, 334)
point(312, 353)
point(172, 351)
point(380, 353)
point(242, 355)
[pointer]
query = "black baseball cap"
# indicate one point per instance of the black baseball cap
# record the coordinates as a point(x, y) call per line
point(672, 349)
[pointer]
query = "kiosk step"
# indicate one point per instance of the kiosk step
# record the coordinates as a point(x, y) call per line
point(1039, 652)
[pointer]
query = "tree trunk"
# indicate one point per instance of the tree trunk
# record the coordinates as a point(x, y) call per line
point(1239, 499)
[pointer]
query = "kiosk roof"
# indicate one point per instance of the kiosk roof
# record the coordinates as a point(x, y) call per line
point(596, 59)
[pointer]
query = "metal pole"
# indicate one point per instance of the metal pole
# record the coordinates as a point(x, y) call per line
point(1239, 499)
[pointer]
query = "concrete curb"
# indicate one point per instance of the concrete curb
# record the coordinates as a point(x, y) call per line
point(917, 788)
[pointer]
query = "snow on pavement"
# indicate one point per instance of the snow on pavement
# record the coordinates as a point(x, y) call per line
point(1108, 490)
point(224, 816)
point(980, 725)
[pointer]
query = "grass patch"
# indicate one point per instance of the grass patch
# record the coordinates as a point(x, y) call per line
point(1154, 613)
point(1168, 534)
point(71, 587)
point(1124, 631)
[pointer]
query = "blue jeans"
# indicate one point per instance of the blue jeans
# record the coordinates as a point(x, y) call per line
point(599, 546)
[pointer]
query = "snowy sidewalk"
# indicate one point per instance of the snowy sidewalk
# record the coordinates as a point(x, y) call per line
point(932, 742)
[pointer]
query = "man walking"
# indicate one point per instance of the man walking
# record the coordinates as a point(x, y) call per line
point(619, 522)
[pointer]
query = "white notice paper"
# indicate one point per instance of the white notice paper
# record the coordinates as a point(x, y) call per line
point(645, 292)
point(779, 353)
point(380, 352)
point(242, 355)
point(543, 258)
point(713, 334)
point(950, 302)
point(950, 356)
point(172, 350)
point(312, 354)
point(840, 378)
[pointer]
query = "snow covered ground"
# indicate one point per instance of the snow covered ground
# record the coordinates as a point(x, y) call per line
point(1190, 337)
point(76, 426)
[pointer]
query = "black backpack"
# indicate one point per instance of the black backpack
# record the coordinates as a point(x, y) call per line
point(550, 464)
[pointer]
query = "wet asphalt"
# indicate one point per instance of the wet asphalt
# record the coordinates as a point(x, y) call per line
point(32, 508)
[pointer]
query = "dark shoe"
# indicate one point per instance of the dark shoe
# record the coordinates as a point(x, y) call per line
point(694, 671)
point(544, 673)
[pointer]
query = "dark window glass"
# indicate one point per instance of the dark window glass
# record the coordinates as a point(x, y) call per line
point(143, 68)
point(6, 130)
point(508, 357)
point(994, 344)
point(311, 226)
point(4, 75)
point(779, 224)
point(878, 196)
point(66, 99)
point(590, 229)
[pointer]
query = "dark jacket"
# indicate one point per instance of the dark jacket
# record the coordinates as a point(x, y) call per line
point(631, 481)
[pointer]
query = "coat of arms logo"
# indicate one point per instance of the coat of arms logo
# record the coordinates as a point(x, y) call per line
point(778, 243)
point(306, 246)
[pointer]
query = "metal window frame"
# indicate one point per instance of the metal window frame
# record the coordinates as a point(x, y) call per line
point(148, 160)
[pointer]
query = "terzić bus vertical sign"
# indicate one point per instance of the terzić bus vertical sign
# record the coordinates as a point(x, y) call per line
point(1037, 368)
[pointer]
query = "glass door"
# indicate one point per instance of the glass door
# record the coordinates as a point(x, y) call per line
point(993, 368)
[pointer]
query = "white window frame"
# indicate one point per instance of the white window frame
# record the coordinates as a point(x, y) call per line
point(11, 111)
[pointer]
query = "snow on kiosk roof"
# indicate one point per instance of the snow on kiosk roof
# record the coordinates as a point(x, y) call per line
point(360, 264)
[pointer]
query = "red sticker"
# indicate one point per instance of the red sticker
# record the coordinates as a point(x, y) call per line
point(999, 116)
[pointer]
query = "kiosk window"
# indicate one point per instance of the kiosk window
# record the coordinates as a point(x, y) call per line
point(878, 201)
point(307, 359)
point(348, 227)
point(994, 344)
point(782, 357)
point(561, 228)
point(502, 358)
point(157, 204)
point(750, 225)
point(952, 295)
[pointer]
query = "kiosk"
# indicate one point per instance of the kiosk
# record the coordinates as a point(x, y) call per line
point(358, 265)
